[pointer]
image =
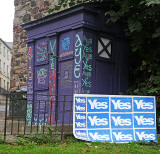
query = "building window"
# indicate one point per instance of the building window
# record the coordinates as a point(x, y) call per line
point(7, 71)
point(0, 66)
point(4, 84)
point(4, 51)
point(104, 48)
point(4, 66)
point(7, 55)
point(7, 86)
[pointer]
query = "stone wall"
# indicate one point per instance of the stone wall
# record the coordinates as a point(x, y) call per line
point(25, 11)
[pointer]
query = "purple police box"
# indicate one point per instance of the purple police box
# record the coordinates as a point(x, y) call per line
point(73, 51)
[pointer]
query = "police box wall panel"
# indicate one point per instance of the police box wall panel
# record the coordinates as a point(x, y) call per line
point(113, 118)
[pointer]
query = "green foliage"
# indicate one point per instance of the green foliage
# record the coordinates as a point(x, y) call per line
point(22, 141)
point(1, 140)
point(152, 2)
point(69, 3)
point(50, 137)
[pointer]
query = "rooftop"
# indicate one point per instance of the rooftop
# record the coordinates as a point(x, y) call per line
point(8, 44)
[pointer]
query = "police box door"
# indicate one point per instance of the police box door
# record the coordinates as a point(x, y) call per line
point(45, 90)
point(41, 111)
point(65, 78)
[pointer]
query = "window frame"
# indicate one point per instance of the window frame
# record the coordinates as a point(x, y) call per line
point(98, 57)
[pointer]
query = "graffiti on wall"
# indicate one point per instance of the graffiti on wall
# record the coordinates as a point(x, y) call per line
point(66, 43)
point(30, 72)
point(41, 51)
point(77, 63)
point(40, 108)
point(29, 85)
point(78, 57)
point(41, 76)
point(64, 54)
point(66, 69)
point(77, 87)
point(41, 120)
point(52, 82)
point(83, 57)
point(87, 65)
point(29, 114)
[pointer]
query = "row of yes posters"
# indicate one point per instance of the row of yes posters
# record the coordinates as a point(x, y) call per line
point(114, 118)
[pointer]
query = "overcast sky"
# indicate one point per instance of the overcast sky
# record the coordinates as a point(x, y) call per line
point(6, 18)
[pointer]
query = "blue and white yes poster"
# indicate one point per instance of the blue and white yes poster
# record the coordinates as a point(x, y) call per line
point(114, 118)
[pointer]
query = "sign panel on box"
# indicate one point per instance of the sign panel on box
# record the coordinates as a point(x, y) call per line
point(120, 119)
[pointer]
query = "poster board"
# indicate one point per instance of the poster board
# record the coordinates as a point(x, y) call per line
point(114, 118)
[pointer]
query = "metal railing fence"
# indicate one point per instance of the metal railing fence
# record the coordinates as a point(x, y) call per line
point(16, 118)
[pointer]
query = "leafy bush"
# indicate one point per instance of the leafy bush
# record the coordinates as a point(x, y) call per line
point(50, 137)
point(1, 140)
point(24, 142)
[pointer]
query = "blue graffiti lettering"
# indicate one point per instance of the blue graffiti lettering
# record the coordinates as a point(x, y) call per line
point(66, 43)
point(77, 60)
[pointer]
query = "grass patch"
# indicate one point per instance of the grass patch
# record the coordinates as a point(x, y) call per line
point(74, 146)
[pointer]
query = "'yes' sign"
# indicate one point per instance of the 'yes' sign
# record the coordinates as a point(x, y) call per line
point(108, 118)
